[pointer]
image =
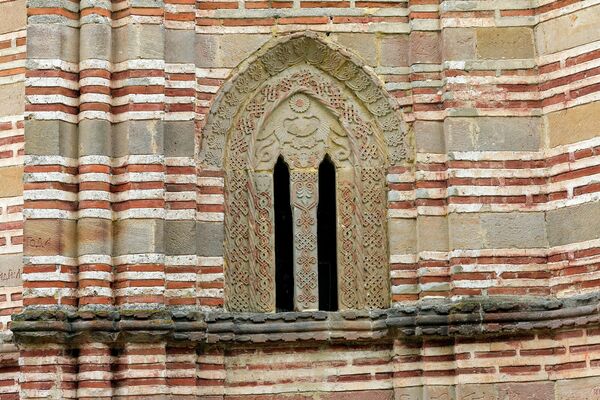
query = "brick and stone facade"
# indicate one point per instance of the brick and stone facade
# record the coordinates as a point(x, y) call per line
point(123, 209)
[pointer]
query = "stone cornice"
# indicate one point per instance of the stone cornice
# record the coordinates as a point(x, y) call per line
point(443, 318)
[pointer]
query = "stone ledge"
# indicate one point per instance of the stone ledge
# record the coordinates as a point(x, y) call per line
point(427, 318)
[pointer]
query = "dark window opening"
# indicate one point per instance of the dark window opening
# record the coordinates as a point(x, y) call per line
point(326, 237)
point(284, 238)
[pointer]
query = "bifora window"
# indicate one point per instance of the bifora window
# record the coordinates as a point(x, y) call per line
point(303, 134)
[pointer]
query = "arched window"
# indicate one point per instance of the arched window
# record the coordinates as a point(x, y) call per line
point(304, 116)
point(284, 238)
point(326, 237)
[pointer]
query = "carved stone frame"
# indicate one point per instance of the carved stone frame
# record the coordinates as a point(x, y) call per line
point(303, 64)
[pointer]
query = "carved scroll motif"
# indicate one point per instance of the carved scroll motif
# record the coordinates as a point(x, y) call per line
point(261, 241)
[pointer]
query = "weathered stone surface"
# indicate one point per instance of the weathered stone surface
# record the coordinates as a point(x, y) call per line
point(364, 44)
point(464, 231)
point(12, 99)
point(477, 392)
point(403, 236)
point(514, 230)
point(97, 41)
point(138, 236)
point(505, 43)
point(440, 392)
point(210, 238)
point(493, 133)
point(12, 181)
point(458, 44)
point(94, 137)
point(180, 237)
point(568, 31)
point(179, 46)
point(11, 268)
point(578, 389)
point(425, 47)
point(409, 393)
point(58, 137)
point(432, 233)
point(53, 41)
point(44, 237)
point(429, 137)
point(138, 137)
point(573, 224)
point(14, 16)
point(219, 51)
point(394, 50)
point(573, 124)
point(526, 391)
point(94, 236)
point(179, 138)
point(497, 230)
point(138, 41)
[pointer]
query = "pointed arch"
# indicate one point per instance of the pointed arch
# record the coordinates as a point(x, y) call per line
point(327, 102)
point(303, 48)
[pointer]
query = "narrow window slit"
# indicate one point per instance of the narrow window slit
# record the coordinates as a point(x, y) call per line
point(326, 237)
point(284, 238)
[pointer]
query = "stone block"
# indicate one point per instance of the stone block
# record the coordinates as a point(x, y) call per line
point(95, 137)
point(573, 224)
point(432, 233)
point(464, 231)
point(146, 41)
point(476, 392)
point(179, 46)
point(47, 41)
point(492, 133)
point(11, 268)
point(179, 138)
point(180, 237)
point(425, 47)
point(226, 51)
point(458, 44)
point(138, 137)
point(12, 99)
point(402, 236)
point(409, 393)
point(14, 16)
point(53, 137)
point(210, 236)
point(438, 392)
point(568, 31)
point(578, 389)
point(363, 44)
point(138, 236)
point(573, 124)
point(394, 50)
point(429, 137)
point(94, 236)
point(505, 43)
point(44, 237)
point(12, 181)
point(96, 41)
point(526, 391)
point(519, 230)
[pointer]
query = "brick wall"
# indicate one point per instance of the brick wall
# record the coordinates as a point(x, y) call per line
point(106, 112)
point(12, 106)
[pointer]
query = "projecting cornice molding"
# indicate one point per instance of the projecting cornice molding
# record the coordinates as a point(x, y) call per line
point(467, 318)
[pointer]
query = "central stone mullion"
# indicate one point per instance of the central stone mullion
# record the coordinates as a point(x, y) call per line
point(305, 198)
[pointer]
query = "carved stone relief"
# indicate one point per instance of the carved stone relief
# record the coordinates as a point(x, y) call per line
point(287, 106)
point(309, 50)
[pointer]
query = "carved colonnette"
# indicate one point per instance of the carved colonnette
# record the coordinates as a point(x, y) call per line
point(302, 99)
